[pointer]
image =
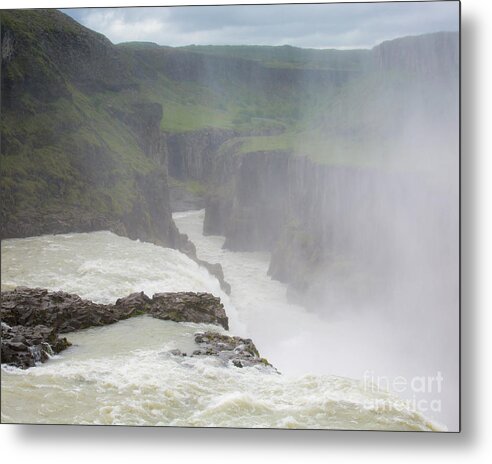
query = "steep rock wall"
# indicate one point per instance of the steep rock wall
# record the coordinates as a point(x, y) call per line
point(191, 154)
point(322, 222)
point(384, 220)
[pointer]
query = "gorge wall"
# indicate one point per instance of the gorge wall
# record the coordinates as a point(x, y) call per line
point(380, 219)
point(325, 224)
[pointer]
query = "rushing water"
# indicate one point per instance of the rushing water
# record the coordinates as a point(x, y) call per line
point(123, 374)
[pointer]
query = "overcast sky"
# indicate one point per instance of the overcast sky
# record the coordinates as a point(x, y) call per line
point(359, 25)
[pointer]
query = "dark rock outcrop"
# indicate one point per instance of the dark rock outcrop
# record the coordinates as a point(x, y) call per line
point(33, 318)
point(187, 247)
point(216, 270)
point(236, 351)
point(25, 346)
point(178, 307)
point(190, 154)
point(66, 312)
point(61, 311)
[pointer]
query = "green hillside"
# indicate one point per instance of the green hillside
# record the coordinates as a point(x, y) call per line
point(202, 87)
point(70, 150)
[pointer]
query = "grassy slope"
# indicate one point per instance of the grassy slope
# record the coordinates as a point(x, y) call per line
point(61, 147)
point(228, 99)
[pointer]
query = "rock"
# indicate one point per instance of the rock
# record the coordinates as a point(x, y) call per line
point(62, 311)
point(188, 248)
point(191, 154)
point(134, 304)
point(188, 307)
point(217, 271)
point(67, 312)
point(32, 318)
point(240, 352)
point(25, 346)
point(176, 352)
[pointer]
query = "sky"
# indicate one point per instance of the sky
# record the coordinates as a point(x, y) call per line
point(349, 25)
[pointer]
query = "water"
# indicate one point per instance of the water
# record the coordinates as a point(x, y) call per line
point(122, 374)
point(372, 345)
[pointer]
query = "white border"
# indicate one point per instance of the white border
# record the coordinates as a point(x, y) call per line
point(74, 445)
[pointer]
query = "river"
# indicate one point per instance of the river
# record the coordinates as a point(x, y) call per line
point(123, 374)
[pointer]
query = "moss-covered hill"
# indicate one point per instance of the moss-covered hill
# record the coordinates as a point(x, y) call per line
point(80, 146)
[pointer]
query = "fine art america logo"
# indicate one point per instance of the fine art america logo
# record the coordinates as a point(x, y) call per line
point(420, 393)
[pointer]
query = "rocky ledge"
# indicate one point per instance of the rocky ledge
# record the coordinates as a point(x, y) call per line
point(32, 319)
point(25, 346)
point(240, 352)
point(177, 307)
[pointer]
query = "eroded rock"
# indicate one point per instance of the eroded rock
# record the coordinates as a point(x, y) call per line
point(235, 351)
point(62, 311)
point(188, 307)
point(25, 346)
point(32, 318)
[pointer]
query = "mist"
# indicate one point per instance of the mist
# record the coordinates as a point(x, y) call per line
point(388, 284)
point(355, 193)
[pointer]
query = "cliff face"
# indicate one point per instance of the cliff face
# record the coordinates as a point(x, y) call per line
point(434, 56)
point(191, 154)
point(321, 219)
point(334, 221)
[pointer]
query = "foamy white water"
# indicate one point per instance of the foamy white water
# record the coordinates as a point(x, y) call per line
point(122, 374)
point(367, 345)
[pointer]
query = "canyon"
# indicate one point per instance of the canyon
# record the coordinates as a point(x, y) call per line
point(276, 143)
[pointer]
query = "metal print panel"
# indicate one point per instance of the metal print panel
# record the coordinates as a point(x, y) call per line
point(231, 216)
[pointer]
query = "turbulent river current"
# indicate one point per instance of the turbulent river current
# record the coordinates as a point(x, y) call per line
point(124, 374)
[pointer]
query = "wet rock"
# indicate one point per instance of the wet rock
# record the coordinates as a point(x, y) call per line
point(216, 270)
point(134, 304)
point(25, 346)
point(32, 318)
point(240, 352)
point(67, 312)
point(188, 307)
point(62, 311)
point(176, 352)
point(188, 248)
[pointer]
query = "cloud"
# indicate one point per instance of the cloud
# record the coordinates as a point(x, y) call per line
point(356, 25)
